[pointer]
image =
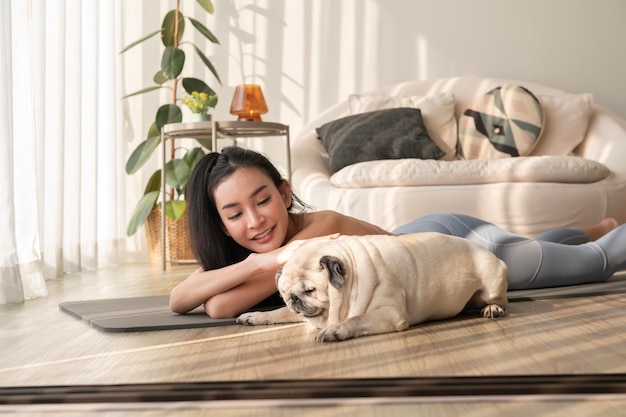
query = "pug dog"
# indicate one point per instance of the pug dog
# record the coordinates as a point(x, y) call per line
point(355, 286)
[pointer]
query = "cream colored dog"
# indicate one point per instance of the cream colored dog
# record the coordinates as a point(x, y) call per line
point(356, 286)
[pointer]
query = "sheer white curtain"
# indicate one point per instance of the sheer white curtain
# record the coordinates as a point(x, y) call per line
point(61, 148)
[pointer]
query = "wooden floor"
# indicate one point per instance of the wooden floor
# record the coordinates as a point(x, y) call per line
point(565, 336)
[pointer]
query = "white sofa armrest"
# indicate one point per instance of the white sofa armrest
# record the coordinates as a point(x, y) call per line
point(605, 141)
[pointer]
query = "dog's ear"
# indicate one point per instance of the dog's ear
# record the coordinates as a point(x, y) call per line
point(279, 272)
point(334, 268)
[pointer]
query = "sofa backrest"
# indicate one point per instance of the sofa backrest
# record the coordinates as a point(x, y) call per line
point(565, 126)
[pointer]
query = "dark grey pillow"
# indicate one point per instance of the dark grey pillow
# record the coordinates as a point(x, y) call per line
point(382, 134)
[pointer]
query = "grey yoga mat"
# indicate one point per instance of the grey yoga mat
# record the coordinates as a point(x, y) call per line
point(140, 314)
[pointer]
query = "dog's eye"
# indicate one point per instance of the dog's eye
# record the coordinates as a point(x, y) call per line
point(309, 291)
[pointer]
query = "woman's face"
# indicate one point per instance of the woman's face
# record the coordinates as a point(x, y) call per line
point(253, 211)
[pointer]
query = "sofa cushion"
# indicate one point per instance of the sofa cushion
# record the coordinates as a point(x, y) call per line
point(504, 122)
point(411, 172)
point(437, 113)
point(567, 118)
point(382, 134)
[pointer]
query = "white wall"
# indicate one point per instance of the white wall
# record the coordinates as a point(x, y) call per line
point(310, 54)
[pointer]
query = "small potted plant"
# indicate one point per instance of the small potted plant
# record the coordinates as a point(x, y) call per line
point(180, 161)
point(199, 103)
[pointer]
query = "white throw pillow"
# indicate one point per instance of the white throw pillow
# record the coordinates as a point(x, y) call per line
point(566, 122)
point(437, 112)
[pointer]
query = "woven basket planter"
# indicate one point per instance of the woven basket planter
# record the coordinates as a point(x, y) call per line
point(177, 247)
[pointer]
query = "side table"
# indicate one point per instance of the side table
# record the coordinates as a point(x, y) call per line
point(217, 130)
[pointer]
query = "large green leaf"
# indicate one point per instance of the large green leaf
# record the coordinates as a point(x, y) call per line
point(207, 143)
point(193, 84)
point(143, 152)
point(154, 183)
point(193, 157)
point(153, 130)
point(159, 78)
point(141, 212)
point(172, 62)
point(168, 113)
point(177, 174)
point(137, 42)
point(204, 30)
point(169, 26)
point(144, 90)
point(206, 5)
point(207, 63)
point(175, 209)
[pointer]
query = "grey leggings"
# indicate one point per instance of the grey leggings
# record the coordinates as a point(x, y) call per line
point(557, 258)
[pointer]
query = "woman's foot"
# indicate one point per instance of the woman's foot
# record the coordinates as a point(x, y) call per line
point(598, 230)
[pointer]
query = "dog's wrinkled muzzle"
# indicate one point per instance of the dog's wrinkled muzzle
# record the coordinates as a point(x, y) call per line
point(303, 309)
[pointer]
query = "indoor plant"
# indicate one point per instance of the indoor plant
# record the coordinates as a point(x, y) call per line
point(168, 76)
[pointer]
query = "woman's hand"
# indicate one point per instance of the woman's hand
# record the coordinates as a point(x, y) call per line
point(292, 246)
point(271, 261)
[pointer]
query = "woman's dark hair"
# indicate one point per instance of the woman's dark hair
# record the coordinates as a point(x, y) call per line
point(211, 246)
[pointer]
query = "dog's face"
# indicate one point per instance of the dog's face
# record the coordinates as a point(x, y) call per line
point(303, 283)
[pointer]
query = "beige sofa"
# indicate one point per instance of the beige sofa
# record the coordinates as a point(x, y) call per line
point(574, 176)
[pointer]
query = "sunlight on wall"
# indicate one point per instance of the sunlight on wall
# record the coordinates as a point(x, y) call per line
point(248, 45)
point(349, 54)
point(422, 57)
point(369, 37)
point(293, 57)
point(358, 52)
point(340, 52)
point(314, 41)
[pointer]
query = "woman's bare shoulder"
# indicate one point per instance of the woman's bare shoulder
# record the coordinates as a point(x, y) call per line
point(329, 222)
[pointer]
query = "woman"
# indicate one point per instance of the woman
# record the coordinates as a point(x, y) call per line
point(245, 221)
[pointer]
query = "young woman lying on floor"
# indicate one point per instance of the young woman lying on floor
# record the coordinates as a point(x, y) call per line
point(245, 221)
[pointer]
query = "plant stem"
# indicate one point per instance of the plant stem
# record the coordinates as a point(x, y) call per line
point(175, 87)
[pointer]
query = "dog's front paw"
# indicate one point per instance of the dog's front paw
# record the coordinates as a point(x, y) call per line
point(257, 318)
point(492, 311)
point(254, 318)
point(333, 333)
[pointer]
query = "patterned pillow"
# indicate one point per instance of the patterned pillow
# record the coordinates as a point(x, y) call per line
point(505, 122)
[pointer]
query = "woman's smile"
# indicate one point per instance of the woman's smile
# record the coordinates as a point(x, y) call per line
point(265, 236)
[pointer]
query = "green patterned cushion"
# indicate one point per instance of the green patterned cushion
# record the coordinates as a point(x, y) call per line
point(505, 122)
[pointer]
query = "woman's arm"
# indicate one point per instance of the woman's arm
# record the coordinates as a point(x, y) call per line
point(240, 299)
point(202, 285)
point(229, 291)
